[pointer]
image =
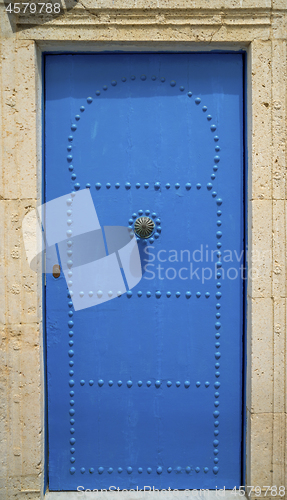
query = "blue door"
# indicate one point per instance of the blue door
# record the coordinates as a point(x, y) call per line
point(145, 376)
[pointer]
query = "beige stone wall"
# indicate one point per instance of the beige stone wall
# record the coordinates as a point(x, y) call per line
point(258, 26)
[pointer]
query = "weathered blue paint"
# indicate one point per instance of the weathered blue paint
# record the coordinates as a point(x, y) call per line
point(147, 389)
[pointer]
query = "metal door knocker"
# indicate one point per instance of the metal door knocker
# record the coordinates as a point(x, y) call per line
point(144, 227)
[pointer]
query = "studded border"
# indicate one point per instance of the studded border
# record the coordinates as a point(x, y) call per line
point(218, 294)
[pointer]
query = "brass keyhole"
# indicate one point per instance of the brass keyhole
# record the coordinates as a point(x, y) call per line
point(56, 271)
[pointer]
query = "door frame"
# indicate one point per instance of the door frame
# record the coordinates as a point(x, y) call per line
point(23, 45)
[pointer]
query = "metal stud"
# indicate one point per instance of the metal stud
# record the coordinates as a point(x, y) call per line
point(144, 227)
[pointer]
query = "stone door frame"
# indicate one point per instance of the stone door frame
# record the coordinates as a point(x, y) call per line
point(260, 33)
